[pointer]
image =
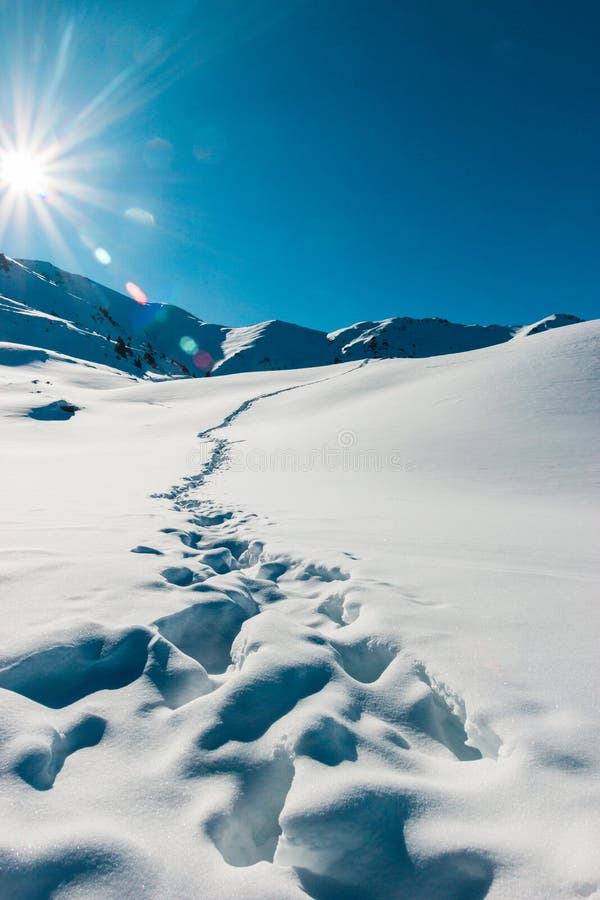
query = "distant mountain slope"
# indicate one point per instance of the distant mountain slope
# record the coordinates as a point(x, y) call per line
point(415, 338)
point(43, 306)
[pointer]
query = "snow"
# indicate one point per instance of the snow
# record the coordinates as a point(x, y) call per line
point(415, 337)
point(324, 632)
point(44, 306)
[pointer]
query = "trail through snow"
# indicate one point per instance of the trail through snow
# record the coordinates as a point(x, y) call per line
point(273, 649)
point(315, 683)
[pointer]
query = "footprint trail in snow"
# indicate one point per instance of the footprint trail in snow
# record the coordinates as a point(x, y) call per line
point(304, 739)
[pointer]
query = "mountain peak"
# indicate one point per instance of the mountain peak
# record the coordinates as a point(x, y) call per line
point(46, 307)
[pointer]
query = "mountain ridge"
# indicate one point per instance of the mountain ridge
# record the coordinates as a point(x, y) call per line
point(47, 307)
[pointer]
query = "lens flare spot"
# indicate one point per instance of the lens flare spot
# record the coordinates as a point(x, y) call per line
point(87, 241)
point(139, 216)
point(203, 360)
point(102, 256)
point(209, 144)
point(136, 292)
point(188, 345)
point(158, 153)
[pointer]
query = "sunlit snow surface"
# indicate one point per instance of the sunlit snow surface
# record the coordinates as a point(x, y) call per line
point(328, 632)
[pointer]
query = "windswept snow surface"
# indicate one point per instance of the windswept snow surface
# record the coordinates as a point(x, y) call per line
point(325, 633)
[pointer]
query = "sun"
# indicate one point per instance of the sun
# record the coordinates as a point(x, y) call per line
point(56, 159)
point(23, 172)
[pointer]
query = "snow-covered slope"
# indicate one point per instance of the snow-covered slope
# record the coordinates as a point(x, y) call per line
point(408, 337)
point(347, 650)
point(45, 307)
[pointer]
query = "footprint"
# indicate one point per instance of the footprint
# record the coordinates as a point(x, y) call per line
point(178, 575)
point(328, 741)
point(366, 660)
point(352, 846)
point(251, 706)
point(333, 607)
point(251, 555)
point(250, 831)
point(430, 713)
point(219, 559)
point(206, 630)
point(272, 571)
point(142, 548)
point(323, 572)
point(41, 762)
point(188, 538)
point(337, 847)
point(236, 547)
point(181, 576)
point(77, 663)
point(178, 677)
point(210, 521)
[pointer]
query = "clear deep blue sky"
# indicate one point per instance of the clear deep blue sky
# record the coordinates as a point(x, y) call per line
point(325, 162)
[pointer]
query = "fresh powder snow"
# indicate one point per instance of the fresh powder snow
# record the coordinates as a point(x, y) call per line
point(320, 632)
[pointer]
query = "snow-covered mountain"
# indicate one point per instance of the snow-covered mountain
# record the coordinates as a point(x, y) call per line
point(44, 307)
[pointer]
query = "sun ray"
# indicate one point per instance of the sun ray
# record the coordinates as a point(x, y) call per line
point(53, 170)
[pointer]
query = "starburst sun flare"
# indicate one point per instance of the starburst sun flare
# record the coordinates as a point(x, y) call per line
point(57, 151)
point(23, 172)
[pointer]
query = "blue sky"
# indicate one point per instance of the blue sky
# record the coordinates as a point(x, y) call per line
point(322, 162)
